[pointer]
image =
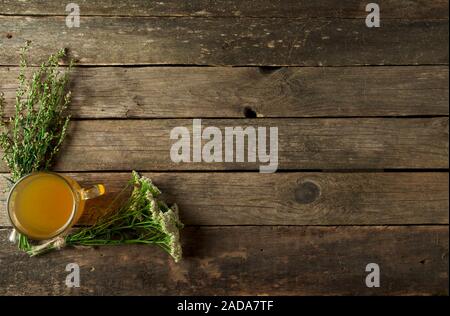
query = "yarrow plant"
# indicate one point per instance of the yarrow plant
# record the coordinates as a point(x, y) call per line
point(30, 141)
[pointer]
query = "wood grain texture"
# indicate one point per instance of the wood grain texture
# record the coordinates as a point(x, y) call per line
point(225, 41)
point(285, 198)
point(289, 233)
point(253, 8)
point(303, 144)
point(245, 260)
point(176, 92)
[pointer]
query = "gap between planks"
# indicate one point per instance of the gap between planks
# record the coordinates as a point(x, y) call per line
point(318, 17)
point(235, 8)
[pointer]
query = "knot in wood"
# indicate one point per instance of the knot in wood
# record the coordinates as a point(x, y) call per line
point(307, 192)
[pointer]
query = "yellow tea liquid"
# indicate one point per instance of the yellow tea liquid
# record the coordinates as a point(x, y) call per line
point(43, 204)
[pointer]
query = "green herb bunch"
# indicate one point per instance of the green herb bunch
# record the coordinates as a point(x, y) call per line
point(32, 137)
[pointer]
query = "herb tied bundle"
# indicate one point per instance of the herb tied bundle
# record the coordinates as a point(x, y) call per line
point(30, 141)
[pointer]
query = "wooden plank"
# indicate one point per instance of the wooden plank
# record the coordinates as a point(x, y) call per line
point(245, 260)
point(175, 92)
point(225, 41)
point(254, 8)
point(284, 198)
point(380, 143)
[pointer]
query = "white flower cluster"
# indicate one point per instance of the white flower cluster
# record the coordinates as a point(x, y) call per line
point(167, 218)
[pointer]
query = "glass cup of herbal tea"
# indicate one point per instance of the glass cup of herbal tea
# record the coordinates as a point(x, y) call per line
point(44, 205)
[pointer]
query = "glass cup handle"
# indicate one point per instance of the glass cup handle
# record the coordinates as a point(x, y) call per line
point(93, 192)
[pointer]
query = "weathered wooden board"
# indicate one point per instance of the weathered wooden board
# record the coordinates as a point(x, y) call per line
point(253, 8)
point(175, 92)
point(227, 41)
point(245, 260)
point(286, 198)
point(303, 144)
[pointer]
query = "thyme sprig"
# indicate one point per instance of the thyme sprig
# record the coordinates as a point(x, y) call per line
point(33, 136)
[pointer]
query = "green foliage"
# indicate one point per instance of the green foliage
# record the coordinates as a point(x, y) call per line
point(33, 136)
